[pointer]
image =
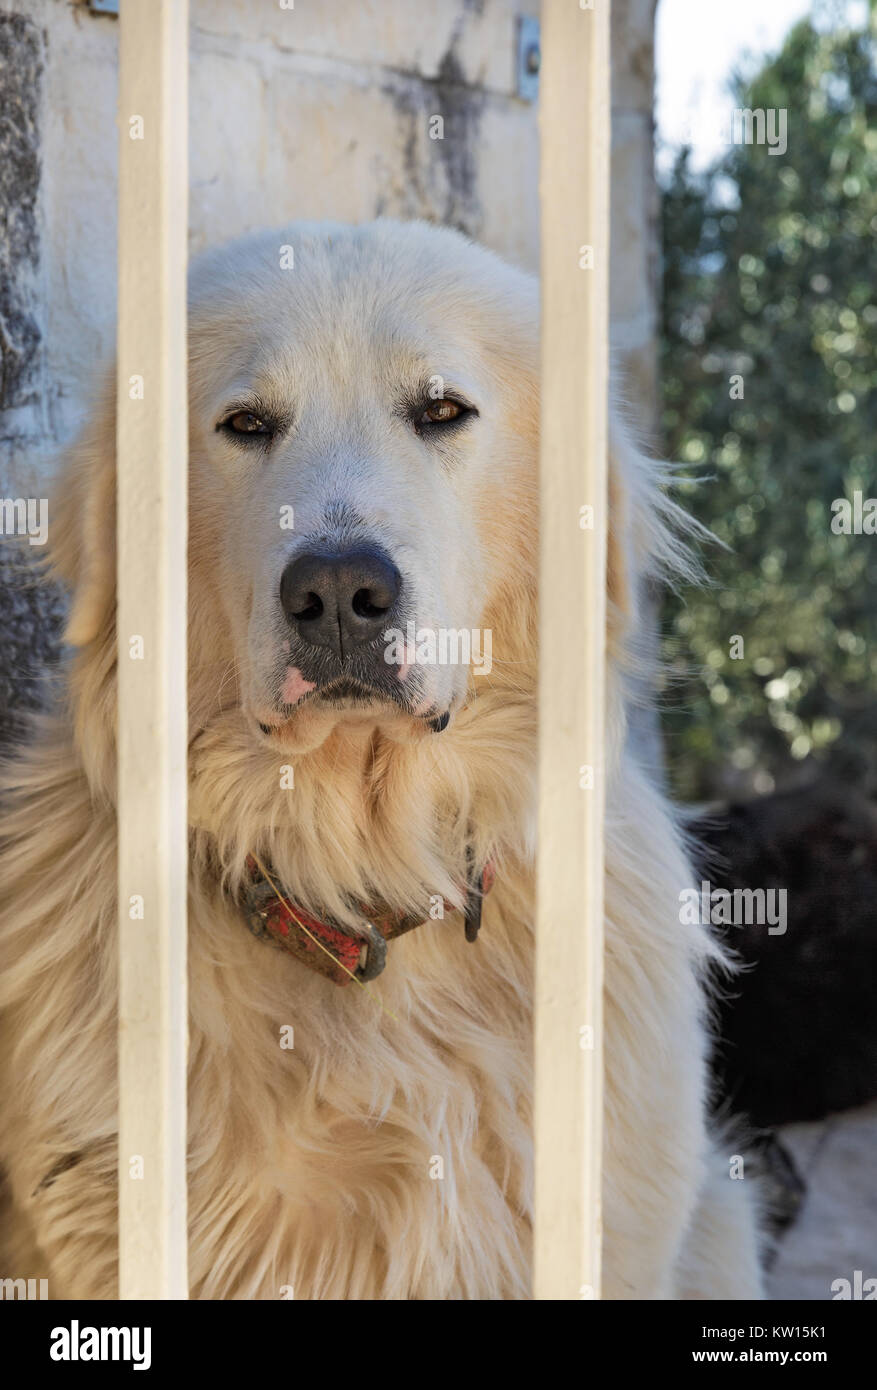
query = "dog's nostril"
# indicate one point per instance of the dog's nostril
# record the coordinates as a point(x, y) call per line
point(368, 604)
point(312, 609)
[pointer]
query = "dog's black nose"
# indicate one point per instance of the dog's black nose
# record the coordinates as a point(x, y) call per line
point(340, 599)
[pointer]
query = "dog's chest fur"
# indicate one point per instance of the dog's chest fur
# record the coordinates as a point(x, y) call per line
point(369, 1142)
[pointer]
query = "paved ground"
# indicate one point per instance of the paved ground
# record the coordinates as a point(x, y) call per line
point(836, 1231)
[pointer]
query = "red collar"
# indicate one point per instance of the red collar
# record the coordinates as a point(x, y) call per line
point(332, 950)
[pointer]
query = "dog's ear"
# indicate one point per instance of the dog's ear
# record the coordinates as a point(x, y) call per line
point(82, 524)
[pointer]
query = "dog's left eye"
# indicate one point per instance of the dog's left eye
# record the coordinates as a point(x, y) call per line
point(243, 422)
point(442, 412)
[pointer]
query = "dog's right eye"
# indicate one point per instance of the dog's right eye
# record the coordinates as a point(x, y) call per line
point(244, 423)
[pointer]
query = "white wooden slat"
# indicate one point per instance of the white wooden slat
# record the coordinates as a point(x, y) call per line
point(574, 193)
point(152, 534)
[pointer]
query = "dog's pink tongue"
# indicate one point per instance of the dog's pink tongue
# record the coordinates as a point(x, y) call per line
point(295, 686)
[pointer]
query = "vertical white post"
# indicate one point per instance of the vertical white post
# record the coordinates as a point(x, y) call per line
point(152, 449)
point(574, 191)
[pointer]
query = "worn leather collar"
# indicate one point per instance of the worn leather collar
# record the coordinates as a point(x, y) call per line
point(333, 950)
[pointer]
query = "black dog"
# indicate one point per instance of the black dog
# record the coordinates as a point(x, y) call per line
point(798, 1028)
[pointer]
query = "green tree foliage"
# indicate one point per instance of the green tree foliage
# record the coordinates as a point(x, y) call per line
point(771, 277)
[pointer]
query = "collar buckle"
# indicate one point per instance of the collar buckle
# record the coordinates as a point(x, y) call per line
point(375, 955)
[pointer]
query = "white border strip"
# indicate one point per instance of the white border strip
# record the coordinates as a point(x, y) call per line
point(152, 448)
point(574, 190)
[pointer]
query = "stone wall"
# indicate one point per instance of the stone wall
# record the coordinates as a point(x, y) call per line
point(321, 110)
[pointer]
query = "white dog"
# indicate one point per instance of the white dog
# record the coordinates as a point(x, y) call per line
point(363, 456)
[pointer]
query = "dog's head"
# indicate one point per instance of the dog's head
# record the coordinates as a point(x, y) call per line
point(363, 426)
point(361, 401)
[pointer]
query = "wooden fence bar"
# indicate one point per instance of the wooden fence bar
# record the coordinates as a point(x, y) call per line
point(574, 193)
point(152, 450)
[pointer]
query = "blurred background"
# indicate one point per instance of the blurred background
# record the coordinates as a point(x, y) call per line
point(769, 266)
point(744, 316)
point(768, 369)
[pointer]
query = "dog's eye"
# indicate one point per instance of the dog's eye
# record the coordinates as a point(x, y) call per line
point(442, 412)
point(243, 422)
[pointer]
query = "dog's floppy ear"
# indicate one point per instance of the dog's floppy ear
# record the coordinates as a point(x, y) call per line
point(82, 523)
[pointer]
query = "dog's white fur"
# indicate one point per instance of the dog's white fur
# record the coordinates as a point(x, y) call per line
point(311, 1167)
